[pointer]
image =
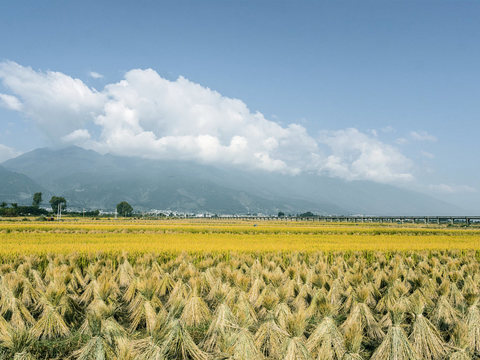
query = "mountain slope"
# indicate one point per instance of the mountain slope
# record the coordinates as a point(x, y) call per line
point(91, 180)
point(88, 179)
point(18, 188)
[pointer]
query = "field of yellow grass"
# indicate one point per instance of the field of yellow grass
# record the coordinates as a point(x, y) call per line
point(206, 290)
point(147, 236)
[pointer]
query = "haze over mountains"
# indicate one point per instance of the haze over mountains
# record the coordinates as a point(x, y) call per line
point(17, 187)
point(93, 181)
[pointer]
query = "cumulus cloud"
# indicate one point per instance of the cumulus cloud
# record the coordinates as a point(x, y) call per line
point(58, 103)
point(149, 116)
point(95, 75)
point(7, 152)
point(10, 102)
point(389, 129)
point(427, 154)
point(357, 156)
point(422, 136)
point(77, 137)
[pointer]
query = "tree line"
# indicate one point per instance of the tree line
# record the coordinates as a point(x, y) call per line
point(56, 203)
point(15, 210)
point(59, 202)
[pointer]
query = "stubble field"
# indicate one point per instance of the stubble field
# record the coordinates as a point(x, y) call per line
point(197, 289)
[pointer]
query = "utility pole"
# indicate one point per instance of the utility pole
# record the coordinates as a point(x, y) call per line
point(59, 212)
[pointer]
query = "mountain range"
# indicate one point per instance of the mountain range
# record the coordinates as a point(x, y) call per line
point(91, 180)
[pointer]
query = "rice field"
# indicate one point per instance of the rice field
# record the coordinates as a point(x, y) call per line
point(218, 236)
point(201, 290)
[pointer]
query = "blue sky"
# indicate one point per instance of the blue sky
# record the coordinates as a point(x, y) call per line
point(403, 74)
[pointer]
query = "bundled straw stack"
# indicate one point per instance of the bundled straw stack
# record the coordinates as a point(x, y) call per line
point(338, 306)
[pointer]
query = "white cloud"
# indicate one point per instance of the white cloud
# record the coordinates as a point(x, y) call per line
point(422, 136)
point(58, 103)
point(7, 152)
point(358, 156)
point(149, 116)
point(10, 102)
point(77, 137)
point(95, 75)
point(427, 154)
point(389, 129)
point(451, 189)
point(401, 141)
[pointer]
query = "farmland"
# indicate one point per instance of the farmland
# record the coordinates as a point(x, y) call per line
point(199, 289)
point(218, 236)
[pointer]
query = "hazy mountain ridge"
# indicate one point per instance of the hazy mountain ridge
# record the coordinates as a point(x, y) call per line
point(91, 180)
point(17, 188)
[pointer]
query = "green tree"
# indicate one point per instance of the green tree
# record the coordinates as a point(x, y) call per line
point(124, 209)
point(3, 205)
point(281, 214)
point(37, 199)
point(307, 214)
point(58, 200)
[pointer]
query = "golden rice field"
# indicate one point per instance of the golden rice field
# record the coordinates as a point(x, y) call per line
point(208, 290)
point(217, 235)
